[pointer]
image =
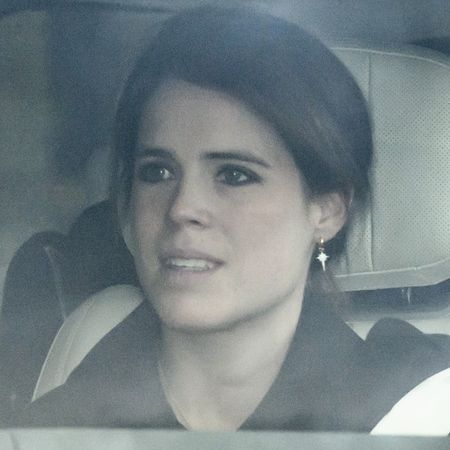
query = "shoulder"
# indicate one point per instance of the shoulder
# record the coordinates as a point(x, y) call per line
point(416, 378)
point(405, 353)
point(115, 353)
point(85, 327)
point(397, 358)
point(398, 341)
point(111, 330)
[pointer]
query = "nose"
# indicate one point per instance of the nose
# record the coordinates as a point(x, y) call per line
point(191, 204)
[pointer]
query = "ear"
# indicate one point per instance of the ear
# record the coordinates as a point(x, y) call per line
point(332, 214)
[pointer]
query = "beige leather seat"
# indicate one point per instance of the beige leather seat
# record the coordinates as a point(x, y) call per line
point(82, 330)
point(404, 237)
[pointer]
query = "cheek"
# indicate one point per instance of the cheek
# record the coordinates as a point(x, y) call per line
point(149, 208)
point(274, 239)
point(146, 222)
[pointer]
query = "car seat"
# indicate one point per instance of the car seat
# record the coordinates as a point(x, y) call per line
point(48, 277)
point(33, 309)
point(399, 251)
point(99, 255)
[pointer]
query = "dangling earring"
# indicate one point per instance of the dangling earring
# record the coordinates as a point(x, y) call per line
point(322, 257)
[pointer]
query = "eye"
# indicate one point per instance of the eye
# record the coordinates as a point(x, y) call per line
point(236, 176)
point(154, 172)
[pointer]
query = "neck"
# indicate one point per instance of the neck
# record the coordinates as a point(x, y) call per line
point(215, 380)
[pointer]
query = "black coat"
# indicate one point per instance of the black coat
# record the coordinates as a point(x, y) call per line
point(331, 378)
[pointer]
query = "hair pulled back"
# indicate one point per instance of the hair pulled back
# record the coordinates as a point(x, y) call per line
point(279, 71)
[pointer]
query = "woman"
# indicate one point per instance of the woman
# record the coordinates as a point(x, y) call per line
point(243, 147)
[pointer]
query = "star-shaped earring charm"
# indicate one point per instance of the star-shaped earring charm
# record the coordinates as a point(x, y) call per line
point(322, 257)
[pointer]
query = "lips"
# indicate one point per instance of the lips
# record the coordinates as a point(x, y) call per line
point(189, 261)
point(197, 265)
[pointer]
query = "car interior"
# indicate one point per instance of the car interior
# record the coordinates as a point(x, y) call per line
point(62, 68)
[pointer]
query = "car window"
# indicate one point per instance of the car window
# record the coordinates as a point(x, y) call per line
point(62, 69)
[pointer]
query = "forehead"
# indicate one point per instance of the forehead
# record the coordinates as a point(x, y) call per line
point(181, 115)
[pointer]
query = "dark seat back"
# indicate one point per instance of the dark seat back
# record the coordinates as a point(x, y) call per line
point(33, 309)
point(48, 277)
point(99, 255)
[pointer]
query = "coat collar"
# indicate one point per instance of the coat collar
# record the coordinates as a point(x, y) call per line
point(311, 390)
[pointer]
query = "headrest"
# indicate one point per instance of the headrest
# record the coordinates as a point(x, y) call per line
point(99, 255)
point(404, 237)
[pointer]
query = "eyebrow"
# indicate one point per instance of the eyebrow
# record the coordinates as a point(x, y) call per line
point(235, 155)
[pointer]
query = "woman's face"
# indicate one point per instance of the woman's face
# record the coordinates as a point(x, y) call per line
point(219, 223)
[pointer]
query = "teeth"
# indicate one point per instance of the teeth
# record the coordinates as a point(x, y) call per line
point(191, 264)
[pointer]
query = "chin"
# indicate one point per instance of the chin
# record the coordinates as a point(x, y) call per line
point(196, 317)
